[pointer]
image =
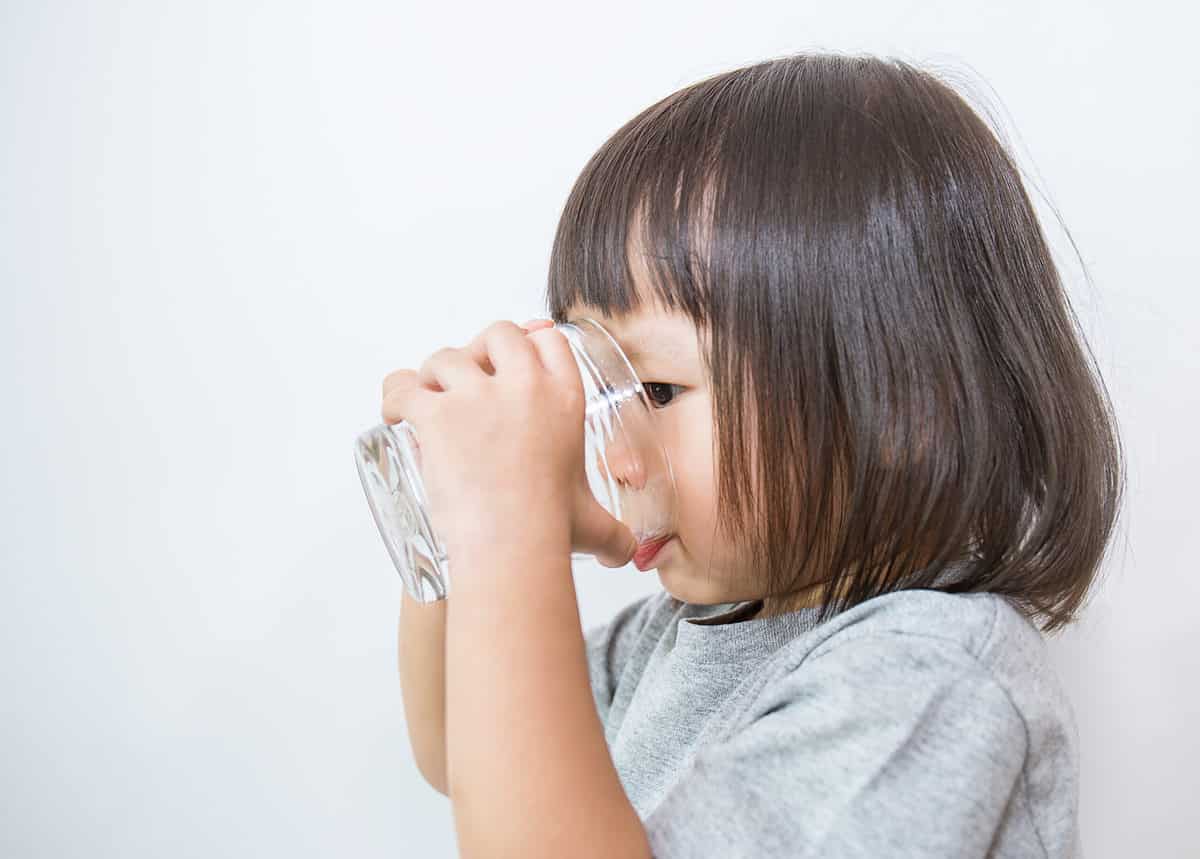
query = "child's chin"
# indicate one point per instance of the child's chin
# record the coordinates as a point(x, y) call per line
point(694, 593)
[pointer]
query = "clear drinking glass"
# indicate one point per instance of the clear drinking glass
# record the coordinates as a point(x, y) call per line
point(627, 467)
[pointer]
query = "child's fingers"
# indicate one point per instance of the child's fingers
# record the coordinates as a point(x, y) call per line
point(478, 347)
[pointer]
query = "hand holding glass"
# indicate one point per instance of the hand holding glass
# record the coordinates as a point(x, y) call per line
point(626, 465)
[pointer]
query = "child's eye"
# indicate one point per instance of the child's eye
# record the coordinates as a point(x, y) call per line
point(655, 391)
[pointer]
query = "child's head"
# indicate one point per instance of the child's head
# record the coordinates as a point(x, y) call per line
point(881, 373)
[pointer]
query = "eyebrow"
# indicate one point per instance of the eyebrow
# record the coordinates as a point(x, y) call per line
point(638, 351)
point(637, 344)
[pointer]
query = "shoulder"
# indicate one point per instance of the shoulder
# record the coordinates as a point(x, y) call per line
point(905, 647)
point(983, 631)
point(923, 645)
point(936, 634)
point(967, 625)
point(930, 640)
point(916, 704)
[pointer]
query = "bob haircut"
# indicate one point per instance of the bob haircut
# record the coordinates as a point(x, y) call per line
point(881, 319)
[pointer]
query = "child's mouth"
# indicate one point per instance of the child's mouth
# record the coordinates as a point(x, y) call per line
point(646, 552)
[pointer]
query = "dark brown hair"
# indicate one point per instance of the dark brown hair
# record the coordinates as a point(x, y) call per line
point(898, 377)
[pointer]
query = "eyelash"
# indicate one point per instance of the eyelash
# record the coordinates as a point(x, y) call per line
point(649, 385)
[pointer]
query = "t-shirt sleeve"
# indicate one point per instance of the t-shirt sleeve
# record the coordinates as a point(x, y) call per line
point(609, 646)
point(885, 745)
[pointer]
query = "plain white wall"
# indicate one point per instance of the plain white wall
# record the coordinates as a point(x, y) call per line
point(224, 223)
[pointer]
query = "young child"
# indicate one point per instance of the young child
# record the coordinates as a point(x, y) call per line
point(893, 462)
point(891, 456)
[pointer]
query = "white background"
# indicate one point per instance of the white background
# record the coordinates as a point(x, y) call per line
point(224, 223)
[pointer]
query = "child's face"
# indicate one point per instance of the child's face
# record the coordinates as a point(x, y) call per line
point(698, 565)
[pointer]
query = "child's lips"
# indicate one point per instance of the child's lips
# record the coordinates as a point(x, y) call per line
point(646, 551)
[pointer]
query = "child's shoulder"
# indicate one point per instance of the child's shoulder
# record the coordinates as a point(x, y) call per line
point(913, 699)
point(939, 641)
point(984, 626)
point(984, 630)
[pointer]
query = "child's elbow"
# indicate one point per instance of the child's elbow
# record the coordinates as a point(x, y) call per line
point(435, 777)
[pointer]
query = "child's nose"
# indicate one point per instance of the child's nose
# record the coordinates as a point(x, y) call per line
point(626, 469)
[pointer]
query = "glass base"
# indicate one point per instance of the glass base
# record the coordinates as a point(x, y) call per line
point(387, 458)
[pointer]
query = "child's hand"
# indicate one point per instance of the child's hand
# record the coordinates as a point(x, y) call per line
point(537, 324)
point(500, 423)
point(593, 530)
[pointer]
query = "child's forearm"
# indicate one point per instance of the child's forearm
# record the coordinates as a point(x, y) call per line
point(529, 769)
point(422, 657)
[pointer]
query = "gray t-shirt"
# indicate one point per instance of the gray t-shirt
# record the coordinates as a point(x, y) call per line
point(916, 724)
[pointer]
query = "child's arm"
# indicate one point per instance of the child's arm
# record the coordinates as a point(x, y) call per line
point(422, 658)
point(423, 685)
point(529, 769)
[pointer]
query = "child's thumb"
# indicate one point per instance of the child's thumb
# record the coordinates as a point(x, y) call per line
point(602, 535)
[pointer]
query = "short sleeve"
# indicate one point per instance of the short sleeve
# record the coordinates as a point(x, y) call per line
point(609, 646)
point(886, 745)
